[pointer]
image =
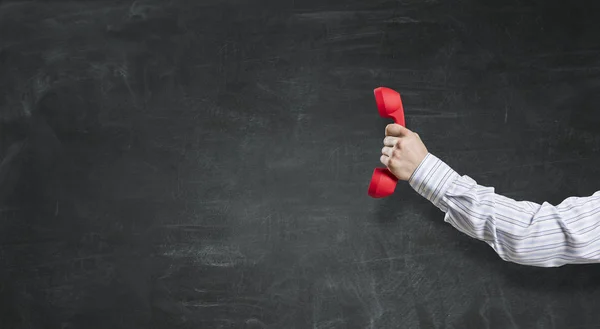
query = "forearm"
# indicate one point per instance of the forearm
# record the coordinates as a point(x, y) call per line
point(519, 231)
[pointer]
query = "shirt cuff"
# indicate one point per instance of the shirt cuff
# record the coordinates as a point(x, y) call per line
point(432, 178)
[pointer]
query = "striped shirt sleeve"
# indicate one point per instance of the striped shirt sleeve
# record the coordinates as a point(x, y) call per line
point(522, 232)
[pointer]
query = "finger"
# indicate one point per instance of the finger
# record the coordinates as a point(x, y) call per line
point(390, 141)
point(394, 129)
point(384, 159)
point(387, 151)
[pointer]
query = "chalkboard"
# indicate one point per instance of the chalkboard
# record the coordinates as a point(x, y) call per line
point(205, 164)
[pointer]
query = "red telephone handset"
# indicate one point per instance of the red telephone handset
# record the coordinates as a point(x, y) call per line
point(383, 182)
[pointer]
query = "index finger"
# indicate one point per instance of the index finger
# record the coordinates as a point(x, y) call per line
point(394, 129)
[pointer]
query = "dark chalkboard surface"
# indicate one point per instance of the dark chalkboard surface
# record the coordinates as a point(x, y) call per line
point(205, 164)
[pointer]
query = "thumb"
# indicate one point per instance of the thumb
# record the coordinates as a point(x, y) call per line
point(397, 130)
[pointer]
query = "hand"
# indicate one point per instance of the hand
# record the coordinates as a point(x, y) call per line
point(403, 151)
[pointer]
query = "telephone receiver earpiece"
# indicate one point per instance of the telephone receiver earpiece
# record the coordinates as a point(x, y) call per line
point(383, 182)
